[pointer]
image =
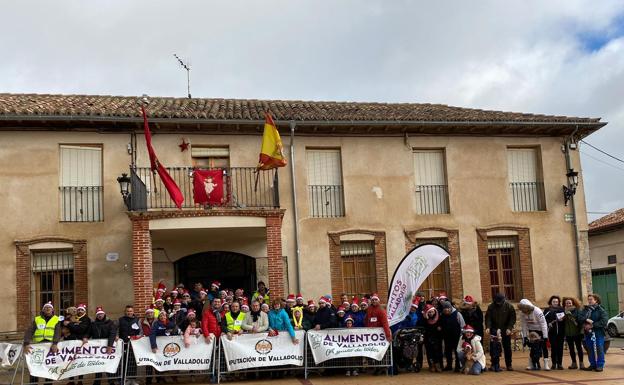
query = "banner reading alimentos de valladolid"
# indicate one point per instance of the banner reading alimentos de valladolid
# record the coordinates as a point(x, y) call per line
point(354, 342)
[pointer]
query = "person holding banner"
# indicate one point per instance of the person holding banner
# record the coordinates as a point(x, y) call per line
point(256, 321)
point(161, 327)
point(103, 327)
point(325, 316)
point(376, 317)
point(279, 321)
point(46, 327)
point(232, 323)
point(211, 324)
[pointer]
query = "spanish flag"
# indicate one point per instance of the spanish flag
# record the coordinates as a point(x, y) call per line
point(271, 155)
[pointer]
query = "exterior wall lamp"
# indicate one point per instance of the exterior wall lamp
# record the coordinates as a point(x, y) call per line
point(570, 189)
point(124, 186)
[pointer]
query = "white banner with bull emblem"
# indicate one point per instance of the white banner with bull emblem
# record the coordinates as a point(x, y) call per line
point(353, 342)
point(73, 358)
point(171, 354)
point(259, 350)
point(413, 269)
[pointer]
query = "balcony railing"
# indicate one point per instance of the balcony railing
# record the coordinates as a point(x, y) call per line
point(432, 199)
point(527, 196)
point(81, 203)
point(326, 201)
point(239, 189)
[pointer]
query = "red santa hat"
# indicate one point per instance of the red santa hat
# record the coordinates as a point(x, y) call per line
point(429, 307)
point(81, 306)
point(349, 318)
point(324, 299)
point(374, 296)
point(190, 311)
point(203, 292)
point(161, 286)
point(177, 302)
point(48, 304)
point(174, 292)
point(416, 302)
point(442, 295)
point(468, 300)
point(149, 309)
point(468, 329)
point(466, 345)
point(311, 303)
point(341, 309)
point(158, 298)
point(216, 284)
point(346, 303)
point(290, 298)
point(299, 296)
point(364, 301)
point(99, 310)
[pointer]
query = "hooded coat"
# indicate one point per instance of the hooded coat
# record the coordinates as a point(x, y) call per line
point(534, 320)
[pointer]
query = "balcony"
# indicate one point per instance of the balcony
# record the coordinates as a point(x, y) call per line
point(527, 196)
point(432, 199)
point(147, 191)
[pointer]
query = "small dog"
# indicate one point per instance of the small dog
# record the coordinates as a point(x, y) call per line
point(535, 343)
point(71, 314)
point(468, 354)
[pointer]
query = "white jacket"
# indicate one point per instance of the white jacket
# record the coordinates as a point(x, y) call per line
point(534, 321)
point(477, 349)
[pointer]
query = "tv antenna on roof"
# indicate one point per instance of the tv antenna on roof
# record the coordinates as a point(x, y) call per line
point(187, 67)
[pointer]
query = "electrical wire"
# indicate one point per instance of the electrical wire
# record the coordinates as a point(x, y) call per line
point(604, 152)
point(602, 161)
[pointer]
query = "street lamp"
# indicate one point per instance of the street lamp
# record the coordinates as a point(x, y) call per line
point(124, 186)
point(570, 189)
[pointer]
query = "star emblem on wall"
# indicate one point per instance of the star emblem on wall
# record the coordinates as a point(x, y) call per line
point(184, 145)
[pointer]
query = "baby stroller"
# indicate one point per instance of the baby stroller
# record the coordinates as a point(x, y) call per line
point(408, 346)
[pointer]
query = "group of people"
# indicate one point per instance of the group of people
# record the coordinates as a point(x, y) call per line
point(452, 332)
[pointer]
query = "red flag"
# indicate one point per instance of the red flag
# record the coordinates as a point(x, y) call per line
point(208, 187)
point(170, 184)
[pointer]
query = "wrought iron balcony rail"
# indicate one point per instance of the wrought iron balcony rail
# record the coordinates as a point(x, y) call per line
point(326, 201)
point(527, 196)
point(147, 192)
point(432, 199)
point(81, 203)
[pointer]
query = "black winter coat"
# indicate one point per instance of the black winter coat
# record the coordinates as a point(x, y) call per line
point(126, 330)
point(555, 327)
point(452, 325)
point(473, 316)
point(105, 329)
point(81, 329)
point(326, 317)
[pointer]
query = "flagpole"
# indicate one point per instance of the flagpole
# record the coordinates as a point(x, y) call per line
point(293, 125)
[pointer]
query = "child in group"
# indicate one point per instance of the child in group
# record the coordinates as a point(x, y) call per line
point(192, 332)
point(348, 323)
point(496, 349)
point(535, 345)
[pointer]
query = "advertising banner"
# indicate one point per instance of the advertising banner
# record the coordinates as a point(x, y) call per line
point(172, 354)
point(328, 344)
point(260, 350)
point(73, 358)
point(9, 354)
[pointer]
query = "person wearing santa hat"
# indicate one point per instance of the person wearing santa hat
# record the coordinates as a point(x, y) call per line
point(356, 314)
point(239, 294)
point(79, 327)
point(211, 320)
point(433, 338)
point(325, 316)
point(478, 356)
point(290, 302)
point(191, 315)
point(376, 316)
point(340, 316)
point(161, 327)
point(103, 328)
point(300, 301)
point(471, 311)
point(244, 305)
point(256, 321)
point(349, 322)
point(46, 327)
point(262, 291)
point(214, 291)
point(199, 303)
point(452, 324)
point(159, 306)
point(309, 312)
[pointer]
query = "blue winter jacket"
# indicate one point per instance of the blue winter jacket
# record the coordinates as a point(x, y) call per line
point(358, 318)
point(278, 320)
point(160, 329)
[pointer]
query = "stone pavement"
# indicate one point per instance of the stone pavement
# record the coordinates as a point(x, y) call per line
point(612, 375)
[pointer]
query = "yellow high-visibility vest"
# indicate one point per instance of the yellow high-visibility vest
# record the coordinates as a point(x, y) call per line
point(45, 330)
point(234, 324)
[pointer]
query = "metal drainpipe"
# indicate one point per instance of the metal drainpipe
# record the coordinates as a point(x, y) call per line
point(293, 125)
point(574, 223)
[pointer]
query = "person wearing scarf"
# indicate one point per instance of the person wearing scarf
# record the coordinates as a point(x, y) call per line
point(256, 321)
point(433, 338)
point(161, 327)
point(297, 318)
point(573, 330)
point(595, 321)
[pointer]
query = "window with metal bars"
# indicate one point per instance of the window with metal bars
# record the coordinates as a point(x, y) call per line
point(80, 183)
point(431, 190)
point(359, 275)
point(440, 278)
point(525, 179)
point(325, 190)
point(52, 280)
point(504, 267)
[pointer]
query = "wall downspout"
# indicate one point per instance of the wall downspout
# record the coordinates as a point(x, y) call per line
point(293, 125)
point(567, 142)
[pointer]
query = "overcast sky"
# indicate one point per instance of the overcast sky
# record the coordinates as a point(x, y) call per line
point(552, 57)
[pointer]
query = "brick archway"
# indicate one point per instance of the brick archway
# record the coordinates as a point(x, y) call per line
point(457, 288)
point(23, 274)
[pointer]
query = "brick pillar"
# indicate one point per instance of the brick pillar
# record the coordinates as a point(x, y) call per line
point(142, 264)
point(274, 254)
point(22, 288)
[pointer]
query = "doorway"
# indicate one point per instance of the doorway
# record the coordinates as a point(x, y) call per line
point(233, 270)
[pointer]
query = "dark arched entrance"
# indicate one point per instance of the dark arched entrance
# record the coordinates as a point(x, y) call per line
point(233, 270)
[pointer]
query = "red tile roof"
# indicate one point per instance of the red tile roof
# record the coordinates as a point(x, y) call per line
point(608, 222)
point(251, 109)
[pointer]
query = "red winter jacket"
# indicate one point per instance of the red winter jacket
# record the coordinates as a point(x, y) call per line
point(376, 317)
point(209, 323)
